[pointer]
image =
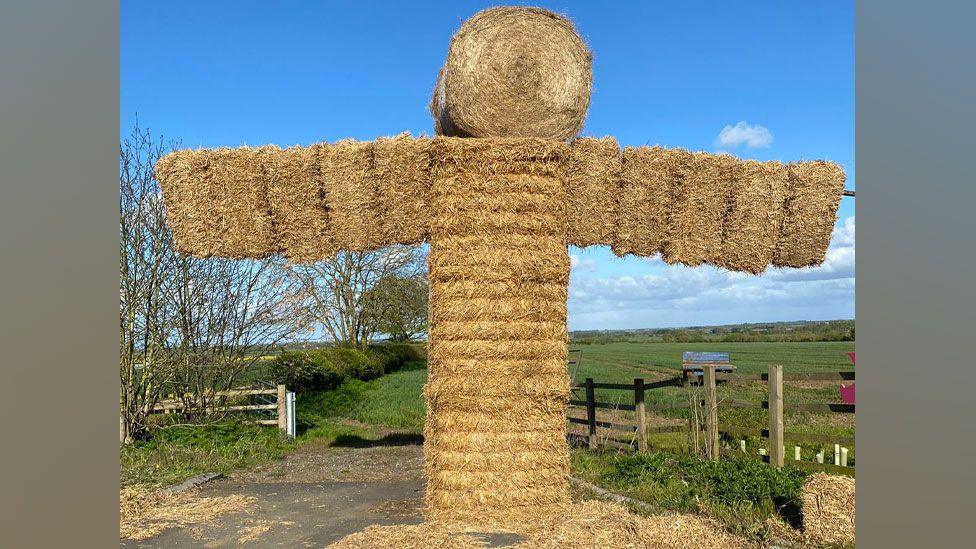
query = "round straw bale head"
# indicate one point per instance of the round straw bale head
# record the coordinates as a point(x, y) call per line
point(514, 72)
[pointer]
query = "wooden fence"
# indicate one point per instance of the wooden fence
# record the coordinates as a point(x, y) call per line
point(279, 407)
point(775, 434)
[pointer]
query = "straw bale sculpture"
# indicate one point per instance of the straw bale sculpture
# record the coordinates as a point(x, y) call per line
point(499, 194)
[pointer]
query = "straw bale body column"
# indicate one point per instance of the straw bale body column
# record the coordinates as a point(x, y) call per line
point(494, 440)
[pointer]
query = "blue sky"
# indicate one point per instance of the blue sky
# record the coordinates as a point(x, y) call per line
point(764, 80)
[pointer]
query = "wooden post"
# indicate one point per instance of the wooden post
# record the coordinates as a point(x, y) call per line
point(641, 415)
point(282, 408)
point(776, 444)
point(711, 412)
point(590, 413)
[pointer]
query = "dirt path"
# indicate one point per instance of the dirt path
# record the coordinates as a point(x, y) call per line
point(313, 497)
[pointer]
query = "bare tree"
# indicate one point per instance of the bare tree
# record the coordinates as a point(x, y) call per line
point(335, 293)
point(145, 249)
point(226, 313)
point(187, 326)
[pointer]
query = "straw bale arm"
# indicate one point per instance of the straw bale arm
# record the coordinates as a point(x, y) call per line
point(697, 208)
point(305, 202)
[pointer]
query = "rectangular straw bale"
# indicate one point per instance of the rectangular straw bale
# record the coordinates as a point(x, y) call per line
point(217, 201)
point(648, 178)
point(299, 204)
point(755, 213)
point(401, 171)
point(520, 367)
point(479, 461)
point(513, 329)
point(495, 309)
point(828, 505)
point(698, 207)
point(496, 349)
point(592, 177)
point(351, 195)
point(545, 391)
point(467, 289)
point(530, 434)
point(523, 156)
point(813, 195)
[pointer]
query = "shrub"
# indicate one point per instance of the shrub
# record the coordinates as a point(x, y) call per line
point(394, 356)
point(354, 363)
point(303, 371)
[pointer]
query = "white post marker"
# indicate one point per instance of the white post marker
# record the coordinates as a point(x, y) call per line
point(742, 444)
point(820, 456)
point(843, 456)
point(762, 451)
point(836, 454)
point(290, 410)
point(796, 453)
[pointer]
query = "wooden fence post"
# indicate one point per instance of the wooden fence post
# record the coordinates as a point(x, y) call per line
point(282, 408)
point(711, 412)
point(641, 413)
point(776, 445)
point(590, 413)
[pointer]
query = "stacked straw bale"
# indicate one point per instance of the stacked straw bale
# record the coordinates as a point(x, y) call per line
point(828, 508)
point(307, 202)
point(513, 72)
point(494, 441)
point(743, 215)
point(499, 214)
point(310, 202)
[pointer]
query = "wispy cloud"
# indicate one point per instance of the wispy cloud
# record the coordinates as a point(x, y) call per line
point(743, 133)
point(584, 264)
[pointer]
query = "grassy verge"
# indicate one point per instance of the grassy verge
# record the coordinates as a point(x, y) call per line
point(356, 409)
point(742, 494)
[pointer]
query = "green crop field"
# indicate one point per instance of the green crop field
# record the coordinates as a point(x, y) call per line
point(622, 362)
point(625, 361)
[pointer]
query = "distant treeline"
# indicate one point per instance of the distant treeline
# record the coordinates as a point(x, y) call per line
point(800, 331)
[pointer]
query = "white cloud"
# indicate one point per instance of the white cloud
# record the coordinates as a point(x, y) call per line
point(742, 133)
point(662, 295)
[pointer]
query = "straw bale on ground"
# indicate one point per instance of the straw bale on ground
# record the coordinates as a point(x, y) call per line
point(513, 72)
point(828, 508)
